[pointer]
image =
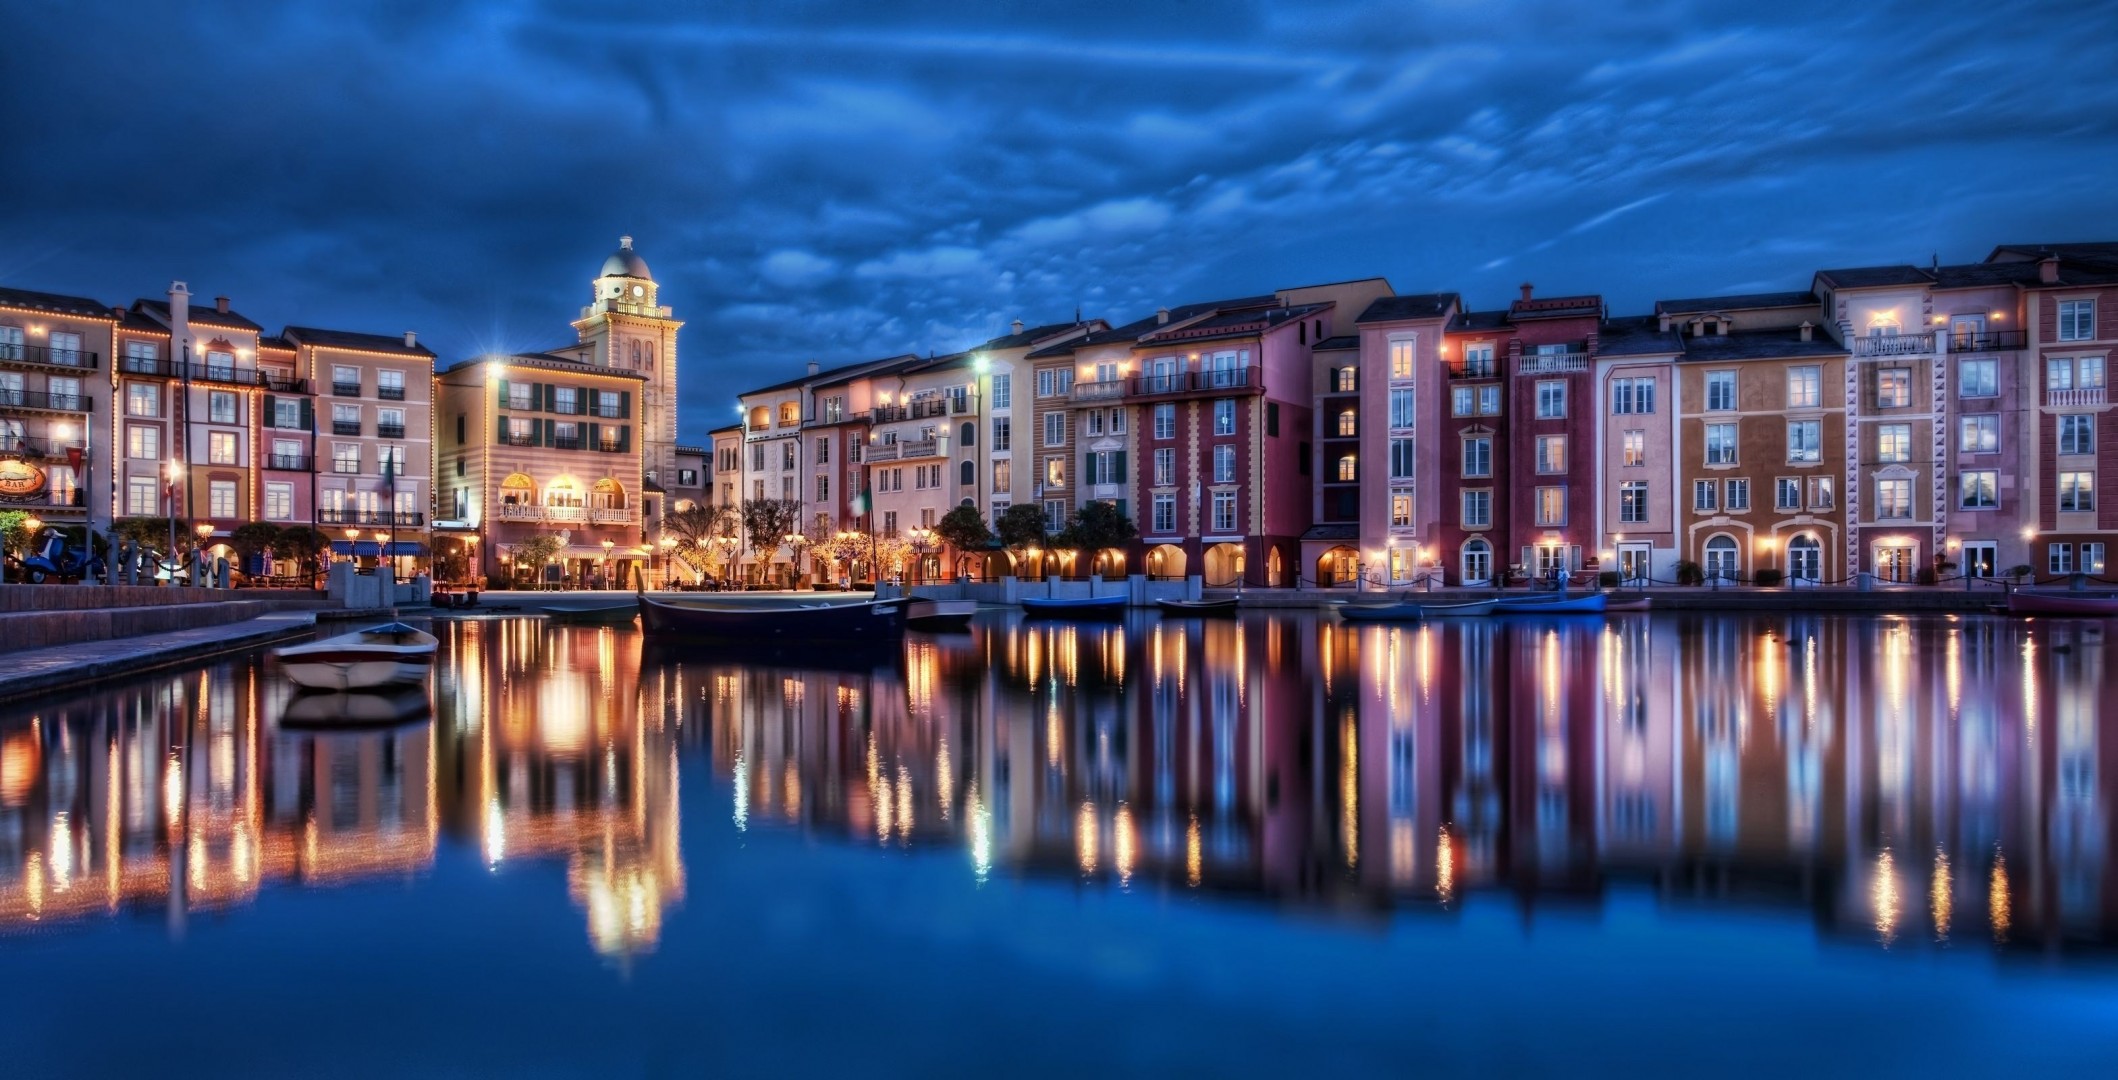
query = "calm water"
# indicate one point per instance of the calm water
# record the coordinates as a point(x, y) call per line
point(1739, 844)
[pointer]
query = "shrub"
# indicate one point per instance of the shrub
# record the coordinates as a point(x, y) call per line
point(2021, 571)
point(1925, 576)
point(1688, 573)
point(1768, 577)
point(1608, 579)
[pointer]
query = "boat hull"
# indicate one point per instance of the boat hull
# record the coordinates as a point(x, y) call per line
point(1080, 607)
point(1638, 603)
point(1198, 608)
point(1447, 611)
point(323, 708)
point(1591, 604)
point(1380, 612)
point(390, 655)
point(607, 615)
point(870, 622)
point(2033, 603)
point(940, 614)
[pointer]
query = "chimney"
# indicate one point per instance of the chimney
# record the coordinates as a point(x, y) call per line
point(815, 367)
point(411, 339)
point(1721, 328)
point(179, 320)
point(1527, 288)
point(1665, 322)
point(1808, 330)
point(220, 304)
point(1017, 324)
point(2048, 270)
point(1161, 316)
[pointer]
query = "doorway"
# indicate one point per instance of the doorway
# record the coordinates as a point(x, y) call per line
point(1981, 558)
point(1896, 562)
point(1634, 563)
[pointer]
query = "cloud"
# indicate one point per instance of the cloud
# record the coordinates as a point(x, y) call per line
point(795, 269)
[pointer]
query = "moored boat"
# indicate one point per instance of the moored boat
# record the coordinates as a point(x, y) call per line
point(940, 614)
point(2082, 605)
point(594, 614)
point(871, 621)
point(1585, 604)
point(1636, 603)
point(392, 654)
point(1443, 611)
point(1080, 606)
point(355, 708)
point(1197, 608)
point(1398, 612)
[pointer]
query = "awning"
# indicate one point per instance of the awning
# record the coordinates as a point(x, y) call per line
point(399, 549)
point(445, 525)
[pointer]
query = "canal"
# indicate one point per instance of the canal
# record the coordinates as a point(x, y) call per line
point(1565, 845)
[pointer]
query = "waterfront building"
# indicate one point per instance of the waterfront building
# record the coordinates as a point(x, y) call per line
point(727, 481)
point(920, 453)
point(1636, 448)
point(54, 410)
point(2071, 324)
point(1759, 416)
point(1384, 431)
point(625, 328)
point(374, 469)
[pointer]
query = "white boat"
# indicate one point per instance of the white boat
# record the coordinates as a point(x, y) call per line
point(940, 614)
point(390, 655)
point(357, 708)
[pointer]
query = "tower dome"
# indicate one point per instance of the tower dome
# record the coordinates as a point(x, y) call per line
point(625, 262)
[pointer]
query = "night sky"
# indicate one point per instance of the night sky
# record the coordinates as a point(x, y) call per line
point(841, 181)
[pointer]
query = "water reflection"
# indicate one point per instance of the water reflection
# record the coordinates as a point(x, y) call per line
point(1827, 768)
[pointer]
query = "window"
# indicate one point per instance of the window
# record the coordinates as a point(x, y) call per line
point(220, 498)
point(389, 385)
point(345, 457)
point(286, 454)
point(1551, 453)
point(1403, 353)
point(345, 382)
point(1632, 502)
point(1551, 399)
point(1705, 494)
point(2077, 491)
point(1044, 383)
point(608, 405)
point(1054, 429)
point(823, 450)
point(1805, 388)
point(345, 419)
point(1635, 447)
point(65, 393)
point(565, 401)
point(1224, 416)
point(1478, 456)
point(1165, 421)
point(1551, 506)
point(1165, 467)
point(287, 413)
point(1224, 464)
point(2077, 320)
point(1055, 471)
point(1117, 421)
point(279, 502)
point(1720, 444)
point(220, 448)
point(1489, 400)
point(139, 355)
point(1400, 509)
point(1893, 388)
point(2059, 558)
point(1978, 489)
point(1478, 361)
point(1003, 434)
point(1720, 391)
point(1401, 457)
point(1822, 492)
point(1003, 476)
point(1164, 514)
point(1463, 401)
point(143, 441)
point(1348, 468)
point(1477, 509)
point(1978, 378)
point(787, 455)
point(1346, 380)
point(2092, 558)
point(1787, 493)
point(1632, 396)
point(1400, 408)
point(143, 399)
point(2077, 434)
point(1095, 422)
point(1893, 442)
point(1893, 499)
point(1106, 467)
point(889, 523)
point(1721, 558)
point(390, 460)
point(389, 423)
point(1063, 381)
point(1224, 511)
point(1738, 495)
point(823, 489)
point(1003, 391)
point(220, 407)
point(142, 493)
point(1978, 434)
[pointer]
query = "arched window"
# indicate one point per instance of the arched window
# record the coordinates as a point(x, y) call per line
point(1349, 467)
point(608, 494)
point(563, 492)
point(1805, 558)
point(636, 355)
point(1721, 556)
point(1348, 423)
point(970, 436)
point(518, 490)
point(967, 474)
point(1477, 566)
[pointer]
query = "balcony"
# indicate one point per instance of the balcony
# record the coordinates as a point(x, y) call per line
point(151, 365)
point(390, 393)
point(1551, 363)
point(346, 466)
point(39, 401)
point(288, 462)
point(348, 516)
point(610, 412)
point(1218, 380)
point(46, 356)
point(518, 439)
point(607, 447)
point(612, 515)
point(33, 448)
point(345, 389)
point(2067, 399)
point(1479, 370)
point(345, 427)
point(1988, 341)
point(562, 442)
point(47, 501)
point(1107, 390)
point(566, 513)
point(963, 403)
point(389, 431)
point(926, 407)
point(518, 512)
point(882, 452)
point(1874, 345)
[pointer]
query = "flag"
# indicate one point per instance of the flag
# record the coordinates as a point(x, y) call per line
point(862, 502)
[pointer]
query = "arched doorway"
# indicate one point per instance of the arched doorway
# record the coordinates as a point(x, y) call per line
point(1805, 558)
point(1338, 567)
point(1109, 563)
point(1165, 562)
point(517, 490)
point(993, 566)
point(1224, 565)
point(1477, 562)
point(1722, 559)
point(1274, 571)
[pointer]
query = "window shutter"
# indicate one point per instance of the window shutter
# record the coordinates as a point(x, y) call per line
point(1118, 473)
point(595, 437)
point(581, 400)
point(271, 411)
point(500, 429)
point(501, 401)
point(308, 415)
point(624, 406)
point(624, 439)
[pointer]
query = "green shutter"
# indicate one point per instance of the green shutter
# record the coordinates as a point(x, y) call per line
point(308, 415)
point(271, 411)
point(501, 401)
point(1118, 470)
point(624, 406)
point(500, 430)
point(581, 400)
point(624, 439)
point(594, 433)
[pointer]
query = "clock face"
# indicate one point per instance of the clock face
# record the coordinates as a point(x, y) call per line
point(639, 290)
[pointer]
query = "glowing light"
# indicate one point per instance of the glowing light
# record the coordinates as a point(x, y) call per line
point(1194, 859)
point(1350, 790)
point(495, 834)
point(1122, 846)
point(1939, 896)
point(1445, 868)
point(1085, 837)
point(742, 791)
point(1997, 898)
point(1885, 896)
point(981, 834)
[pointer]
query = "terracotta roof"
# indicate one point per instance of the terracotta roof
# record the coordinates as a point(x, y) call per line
point(346, 339)
point(1343, 341)
point(1637, 335)
point(1422, 306)
point(1759, 345)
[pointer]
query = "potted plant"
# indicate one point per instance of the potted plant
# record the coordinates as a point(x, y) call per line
point(1688, 573)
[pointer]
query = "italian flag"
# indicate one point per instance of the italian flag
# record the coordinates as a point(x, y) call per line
point(862, 502)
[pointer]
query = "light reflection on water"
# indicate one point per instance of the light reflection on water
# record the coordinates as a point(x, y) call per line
point(1807, 764)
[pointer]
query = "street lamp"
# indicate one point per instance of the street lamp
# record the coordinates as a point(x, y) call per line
point(922, 541)
point(174, 471)
point(353, 547)
point(669, 564)
point(603, 564)
point(382, 551)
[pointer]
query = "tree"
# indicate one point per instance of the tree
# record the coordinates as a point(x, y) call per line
point(843, 549)
point(890, 555)
point(1096, 528)
point(15, 532)
point(304, 545)
point(766, 523)
point(964, 529)
point(1021, 528)
point(696, 528)
point(251, 539)
point(535, 551)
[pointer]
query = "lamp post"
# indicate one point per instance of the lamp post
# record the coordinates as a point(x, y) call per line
point(204, 529)
point(174, 472)
point(922, 542)
point(795, 543)
point(382, 552)
point(353, 548)
point(603, 564)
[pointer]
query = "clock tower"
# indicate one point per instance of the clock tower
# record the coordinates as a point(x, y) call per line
point(628, 329)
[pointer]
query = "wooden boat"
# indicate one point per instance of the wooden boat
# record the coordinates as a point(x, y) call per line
point(389, 655)
point(594, 614)
point(358, 708)
point(940, 614)
point(1198, 608)
point(2080, 605)
point(1443, 611)
point(1635, 603)
point(1585, 604)
point(1399, 612)
point(1076, 606)
point(871, 621)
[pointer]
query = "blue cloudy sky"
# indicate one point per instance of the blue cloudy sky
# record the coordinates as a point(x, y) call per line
point(842, 180)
